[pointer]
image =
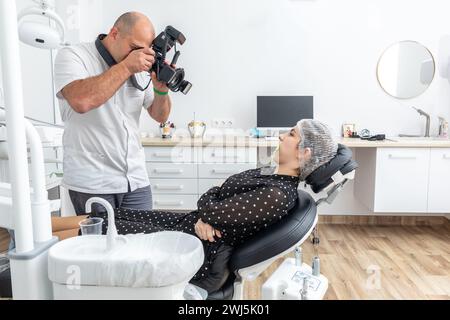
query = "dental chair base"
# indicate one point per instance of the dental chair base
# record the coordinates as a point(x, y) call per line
point(293, 282)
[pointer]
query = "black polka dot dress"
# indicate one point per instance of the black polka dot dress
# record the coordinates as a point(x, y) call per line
point(245, 204)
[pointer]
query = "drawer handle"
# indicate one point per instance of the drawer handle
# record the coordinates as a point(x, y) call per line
point(167, 187)
point(218, 171)
point(225, 156)
point(179, 171)
point(391, 156)
point(169, 203)
point(166, 155)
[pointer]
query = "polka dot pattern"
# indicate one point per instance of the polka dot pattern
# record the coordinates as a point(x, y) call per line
point(245, 204)
point(248, 199)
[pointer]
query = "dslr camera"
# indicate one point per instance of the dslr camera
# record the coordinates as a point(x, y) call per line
point(172, 77)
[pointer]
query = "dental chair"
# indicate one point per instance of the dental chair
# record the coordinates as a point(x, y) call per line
point(136, 266)
point(250, 259)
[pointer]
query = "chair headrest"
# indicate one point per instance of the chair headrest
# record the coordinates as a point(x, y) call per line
point(322, 176)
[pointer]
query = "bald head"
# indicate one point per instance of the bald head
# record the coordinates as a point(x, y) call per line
point(129, 20)
point(131, 31)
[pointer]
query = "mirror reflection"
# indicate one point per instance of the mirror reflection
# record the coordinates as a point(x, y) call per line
point(406, 69)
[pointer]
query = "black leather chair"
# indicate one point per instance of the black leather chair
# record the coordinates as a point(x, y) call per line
point(253, 257)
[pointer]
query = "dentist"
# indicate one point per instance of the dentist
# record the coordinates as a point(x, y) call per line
point(101, 108)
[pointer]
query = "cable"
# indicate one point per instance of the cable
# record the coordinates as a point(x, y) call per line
point(42, 122)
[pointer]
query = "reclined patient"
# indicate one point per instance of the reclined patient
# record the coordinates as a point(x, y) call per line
point(245, 203)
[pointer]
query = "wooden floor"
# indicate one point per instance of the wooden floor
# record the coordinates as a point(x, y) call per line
point(4, 240)
point(412, 262)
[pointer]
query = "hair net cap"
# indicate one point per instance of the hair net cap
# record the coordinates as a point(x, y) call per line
point(318, 138)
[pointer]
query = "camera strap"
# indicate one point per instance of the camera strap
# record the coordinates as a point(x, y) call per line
point(110, 61)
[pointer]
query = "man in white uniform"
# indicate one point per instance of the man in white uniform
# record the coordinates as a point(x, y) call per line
point(101, 107)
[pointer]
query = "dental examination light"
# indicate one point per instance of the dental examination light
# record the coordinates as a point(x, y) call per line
point(39, 34)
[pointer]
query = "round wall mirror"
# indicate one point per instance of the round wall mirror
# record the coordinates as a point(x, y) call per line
point(406, 69)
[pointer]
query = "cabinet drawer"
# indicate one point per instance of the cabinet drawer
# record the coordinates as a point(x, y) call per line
point(401, 180)
point(216, 171)
point(174, 186)
point(170, 154)
point(228, 155)
point(171, 170)
point(438, 195)
point(206, 184)
point(175, 202)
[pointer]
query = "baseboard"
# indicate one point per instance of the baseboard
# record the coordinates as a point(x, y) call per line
point(384, 220)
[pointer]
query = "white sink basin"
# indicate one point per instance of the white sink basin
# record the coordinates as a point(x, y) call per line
point(146, 260)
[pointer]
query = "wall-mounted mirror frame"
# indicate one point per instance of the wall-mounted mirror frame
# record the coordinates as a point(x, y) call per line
point(406, 69)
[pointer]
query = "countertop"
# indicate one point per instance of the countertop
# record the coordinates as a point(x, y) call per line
point(242, 141)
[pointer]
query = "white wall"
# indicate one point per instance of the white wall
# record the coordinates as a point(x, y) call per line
point(238, 49)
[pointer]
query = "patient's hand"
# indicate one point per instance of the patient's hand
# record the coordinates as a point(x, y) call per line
point(205, 232)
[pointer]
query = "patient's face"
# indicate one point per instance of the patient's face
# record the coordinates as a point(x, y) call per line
point(288, 152)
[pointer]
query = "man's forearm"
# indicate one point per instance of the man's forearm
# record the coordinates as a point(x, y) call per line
point(160, 108)
point(85, 95)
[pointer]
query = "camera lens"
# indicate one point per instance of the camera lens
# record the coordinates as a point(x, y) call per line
point(185, 86)
point(176, 80)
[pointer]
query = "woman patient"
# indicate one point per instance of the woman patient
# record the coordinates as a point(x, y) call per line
point(245, 204)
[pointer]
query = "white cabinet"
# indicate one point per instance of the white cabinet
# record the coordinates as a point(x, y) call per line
point(172, 170)
point(179, 175)
point(174, 202)
point(170, 154)
point(220, 170)
point(173, 174)
point(228, 155)
point(403, 180)
point(174, 186)
point(206, 184)
point(211, 175)
point(439, 183)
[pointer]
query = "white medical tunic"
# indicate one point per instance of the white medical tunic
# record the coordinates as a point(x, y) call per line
point(102, 148)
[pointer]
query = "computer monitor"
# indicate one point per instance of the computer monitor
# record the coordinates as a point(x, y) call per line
point(279, 113)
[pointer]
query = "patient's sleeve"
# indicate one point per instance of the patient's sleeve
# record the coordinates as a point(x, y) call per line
point(250, 210)
point(211, 195)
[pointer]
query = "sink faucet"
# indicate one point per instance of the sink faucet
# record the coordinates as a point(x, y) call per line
point(111, 235)
point(423, 113)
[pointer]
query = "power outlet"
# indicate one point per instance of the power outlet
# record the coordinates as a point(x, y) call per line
point(223, 123)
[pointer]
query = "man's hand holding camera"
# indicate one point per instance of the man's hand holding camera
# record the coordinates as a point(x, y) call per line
point(139, 60)
point(142, 60)
point(158, 85)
